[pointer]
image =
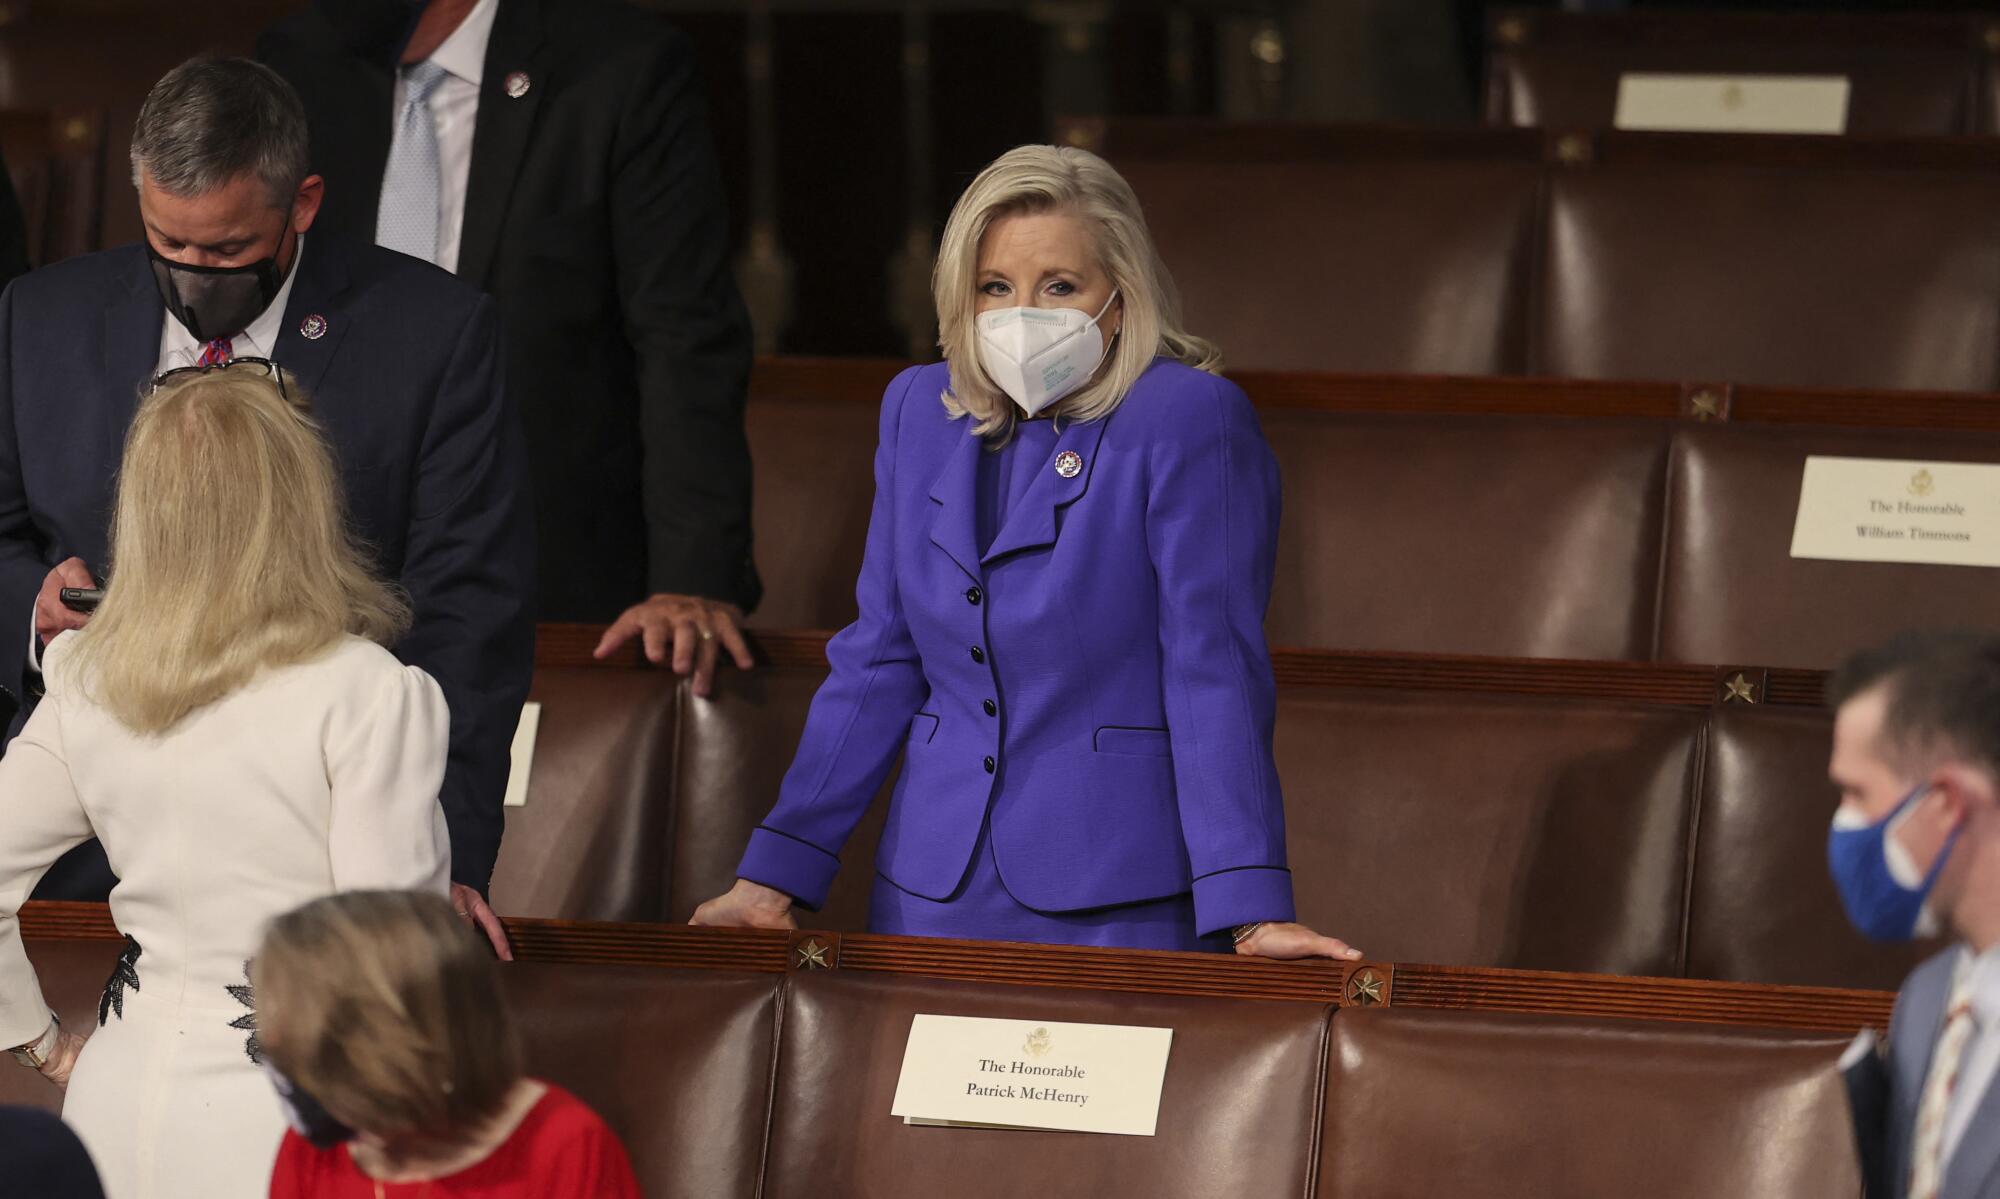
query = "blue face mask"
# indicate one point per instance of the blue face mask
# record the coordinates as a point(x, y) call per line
point(1880, 905)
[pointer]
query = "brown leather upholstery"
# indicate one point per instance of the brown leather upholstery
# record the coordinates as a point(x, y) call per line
point(1790, 261)
point(814, 485)
point(1761, 906)
point(1236, 1117)
point(1367, 265)
point(1732, 594)
point(734, 750)
point(677, 1062)
point(1422, 1104)
point(592, 841)
point(1536, 833)
point(1910, 76)
point(1505, 537)
point(1832, 277)
point(723, 1084)
point(1450, 536)
point(72, 974)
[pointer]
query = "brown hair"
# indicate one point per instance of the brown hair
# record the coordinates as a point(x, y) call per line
point(1942, 688)
point(386, 1007)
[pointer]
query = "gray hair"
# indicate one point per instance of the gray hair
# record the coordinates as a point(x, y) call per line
point(211, 120)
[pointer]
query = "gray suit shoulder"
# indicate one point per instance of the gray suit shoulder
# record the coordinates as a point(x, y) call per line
point(1931, 977)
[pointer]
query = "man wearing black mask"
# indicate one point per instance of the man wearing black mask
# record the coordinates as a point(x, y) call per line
point(556, 154)
point(399, 362)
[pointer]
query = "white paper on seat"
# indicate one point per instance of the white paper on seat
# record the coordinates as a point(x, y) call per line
point(1733, 103)
point(1893, 510)
point(522, 754)
point(987, 1073)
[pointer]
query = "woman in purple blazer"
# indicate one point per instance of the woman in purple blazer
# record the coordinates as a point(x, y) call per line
point(1062, 607)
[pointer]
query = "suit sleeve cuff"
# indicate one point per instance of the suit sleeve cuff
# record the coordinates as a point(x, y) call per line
point(798, 868)
point(1246, 895)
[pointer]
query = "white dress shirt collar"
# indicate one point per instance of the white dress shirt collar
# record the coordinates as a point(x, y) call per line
point(464, 52)
point(258, 340)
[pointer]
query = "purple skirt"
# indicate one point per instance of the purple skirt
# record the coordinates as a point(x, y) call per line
point(982, 909)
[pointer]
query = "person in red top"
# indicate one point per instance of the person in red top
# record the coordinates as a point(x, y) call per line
point(380, 1020)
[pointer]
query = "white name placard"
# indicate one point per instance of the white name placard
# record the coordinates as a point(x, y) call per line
point(522, 755)
point(965, 1070)
point(1889, 510)
point(1733, 103)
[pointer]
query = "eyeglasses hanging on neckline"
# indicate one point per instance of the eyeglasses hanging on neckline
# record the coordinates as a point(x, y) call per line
point(262, 366)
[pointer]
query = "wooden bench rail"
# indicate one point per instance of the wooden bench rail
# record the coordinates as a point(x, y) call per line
point(862, 380)
point(1363, 984)
point(1659, 683)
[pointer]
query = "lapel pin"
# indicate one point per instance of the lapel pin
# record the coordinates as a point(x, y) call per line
point(518, 84)
point(313, 327)
point(1069, 464)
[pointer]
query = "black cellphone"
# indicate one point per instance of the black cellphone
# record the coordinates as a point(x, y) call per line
point(82, 599)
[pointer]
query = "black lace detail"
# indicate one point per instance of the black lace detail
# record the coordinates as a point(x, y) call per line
point(243, 994)
point(124, 974)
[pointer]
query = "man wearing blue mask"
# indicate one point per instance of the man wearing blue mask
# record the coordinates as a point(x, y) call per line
point(1914, 850)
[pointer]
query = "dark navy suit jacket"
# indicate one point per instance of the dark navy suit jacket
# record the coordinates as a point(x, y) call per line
point(406, 383)
point(1097, 680)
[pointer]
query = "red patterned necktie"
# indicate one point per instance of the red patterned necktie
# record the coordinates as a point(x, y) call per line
point(216, 352)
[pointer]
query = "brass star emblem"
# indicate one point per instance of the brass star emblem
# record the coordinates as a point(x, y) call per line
point(1707, 405)
point(812, 956)
point(1365, 989)
point(1739, 690)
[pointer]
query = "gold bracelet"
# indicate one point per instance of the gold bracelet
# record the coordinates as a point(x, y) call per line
point(1245, 931)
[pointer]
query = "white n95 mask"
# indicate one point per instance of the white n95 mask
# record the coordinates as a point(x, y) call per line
point(1040, 355)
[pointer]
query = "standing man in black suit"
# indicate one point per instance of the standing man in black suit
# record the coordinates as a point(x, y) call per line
point(557, 155)
point(399, 361)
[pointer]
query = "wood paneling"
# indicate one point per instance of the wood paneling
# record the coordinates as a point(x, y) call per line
point(1143, 971)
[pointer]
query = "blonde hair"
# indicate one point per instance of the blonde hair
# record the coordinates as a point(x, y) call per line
point(230, 553)
point(386, 1007)
point(1064, 179)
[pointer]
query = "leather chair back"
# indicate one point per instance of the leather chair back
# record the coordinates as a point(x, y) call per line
point(813, 488)
point(1510, 537)
point(677, 1062)
point(1536, 833)
point(1455, 1103)
point(734, 751)
point(1911, 76)
point(1731, 593)
point(1379, 263)
point(592, 843)
point(1236, 1118)
point(1761, 905)
point(1812, 276)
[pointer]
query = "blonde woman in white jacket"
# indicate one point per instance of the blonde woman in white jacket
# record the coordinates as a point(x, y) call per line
point(232, 727)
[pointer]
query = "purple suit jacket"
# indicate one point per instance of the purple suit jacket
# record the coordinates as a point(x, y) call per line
point(1097, 680)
